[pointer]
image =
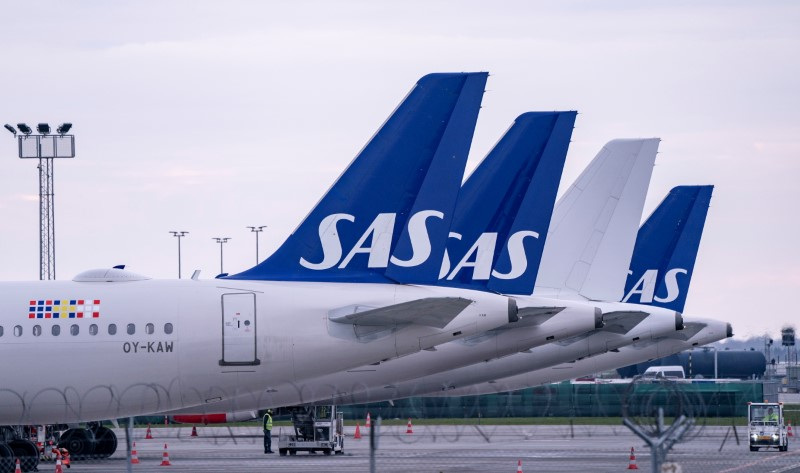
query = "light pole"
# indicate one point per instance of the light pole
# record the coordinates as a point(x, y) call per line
point(45, 147)
point(179, 235)
point(257, 230)
point(221, 241)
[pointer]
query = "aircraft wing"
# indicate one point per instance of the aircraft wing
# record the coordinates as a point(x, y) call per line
point(622, 321)
point(432, 312)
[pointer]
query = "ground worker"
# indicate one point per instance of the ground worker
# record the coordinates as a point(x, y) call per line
point(771, 416)
point(268, 431)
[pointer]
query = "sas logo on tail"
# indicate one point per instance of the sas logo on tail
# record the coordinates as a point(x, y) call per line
point(376, 242)
point(645, 287)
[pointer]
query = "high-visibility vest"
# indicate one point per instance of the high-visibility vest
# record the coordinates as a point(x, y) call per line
point(267, 422)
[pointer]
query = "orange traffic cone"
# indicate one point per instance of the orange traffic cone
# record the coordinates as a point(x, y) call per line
point(358, 432)
point(368, 423)
point(134, 455)
point(165, 457)
point(519, 466)
point(789, 430)
point(65, 457)
point(17, 468)
point(58, 463)
point(149, 435)
point(194, 431)
point(408, 427)
point(632, 462)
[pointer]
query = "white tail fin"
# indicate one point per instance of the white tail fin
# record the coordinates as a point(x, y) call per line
point(594, 224)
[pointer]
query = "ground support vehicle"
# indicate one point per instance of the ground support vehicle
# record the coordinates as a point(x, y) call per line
point(766, 427)
point(314, 429)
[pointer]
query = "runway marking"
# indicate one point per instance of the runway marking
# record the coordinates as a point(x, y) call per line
point(757, 462)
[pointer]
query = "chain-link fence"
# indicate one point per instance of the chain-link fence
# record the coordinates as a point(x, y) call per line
point(557, 427)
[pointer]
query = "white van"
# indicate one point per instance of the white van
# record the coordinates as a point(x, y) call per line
point(664, 372)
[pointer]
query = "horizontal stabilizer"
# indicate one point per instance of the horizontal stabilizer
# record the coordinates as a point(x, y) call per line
point(531, 316)
point(622, 321)
point(431, 312)
point(690, 329)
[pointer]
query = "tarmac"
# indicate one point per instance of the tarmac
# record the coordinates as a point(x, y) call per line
point(445, 448)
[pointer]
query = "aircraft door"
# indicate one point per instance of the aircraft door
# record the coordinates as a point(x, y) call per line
point(239, 330)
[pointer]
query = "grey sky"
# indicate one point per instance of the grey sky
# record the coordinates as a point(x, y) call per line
point(209, 116)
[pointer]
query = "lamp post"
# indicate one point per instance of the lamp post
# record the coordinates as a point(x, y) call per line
point(221, 241)
point(45, 147)
point(257, 230)
point(179, 235)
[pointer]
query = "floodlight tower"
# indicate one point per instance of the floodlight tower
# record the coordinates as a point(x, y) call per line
point(45, 147)
point(221, 241)
point(179, 235)
point(257, 230)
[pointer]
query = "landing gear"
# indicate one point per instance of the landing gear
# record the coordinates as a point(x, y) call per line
point(6, 458)
point(27, 452)
point(80, 443)
point(105, 442)
point(93, 442)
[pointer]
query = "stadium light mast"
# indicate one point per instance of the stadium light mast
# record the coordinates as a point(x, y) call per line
point(45, 146)
point(221, 241)
point(257, 230)
point(179, 235)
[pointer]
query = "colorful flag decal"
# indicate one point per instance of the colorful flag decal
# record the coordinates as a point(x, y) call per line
point(64, 309)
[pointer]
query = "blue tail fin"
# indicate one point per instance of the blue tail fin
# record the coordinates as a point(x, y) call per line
point(504, 208)
point(666, 249)
point(408, 175)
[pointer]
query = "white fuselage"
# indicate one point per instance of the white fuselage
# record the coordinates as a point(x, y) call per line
point(637, 353)
point(660, 322)
point(571, 319)
point(132, 348)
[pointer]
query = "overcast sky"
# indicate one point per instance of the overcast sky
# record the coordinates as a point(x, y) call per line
point(210, 116)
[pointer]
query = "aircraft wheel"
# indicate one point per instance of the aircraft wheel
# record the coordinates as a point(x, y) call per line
point(80, 443)
point(7, 462)
point(27, 452)
point(105, 442)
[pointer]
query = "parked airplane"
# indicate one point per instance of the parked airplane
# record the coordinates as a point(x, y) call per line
point(609, 192)
point(524, 168)
point(666, 245)
point(504, 194)
point(150, 346)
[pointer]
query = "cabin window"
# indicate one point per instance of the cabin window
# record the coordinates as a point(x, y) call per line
point(56, 330)
point(112, 329)
point(131, 329)
point(168, 328)
point(1, 330)
point(93, 329)
point(37, 330)
point(74, 329)
point(149, 329)
point(18, 330)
